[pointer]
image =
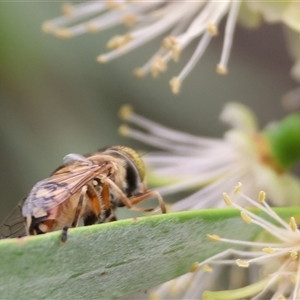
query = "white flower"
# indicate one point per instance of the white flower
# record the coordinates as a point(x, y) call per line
point(286, 12)
point(272, 260)
point(181, 21)
point(276, 252)
point(211, 165)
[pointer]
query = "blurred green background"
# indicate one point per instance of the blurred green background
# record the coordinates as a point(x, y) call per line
point(56, 99)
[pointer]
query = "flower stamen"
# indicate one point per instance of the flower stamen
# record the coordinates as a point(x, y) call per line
point(180, 21)
point(280, 260)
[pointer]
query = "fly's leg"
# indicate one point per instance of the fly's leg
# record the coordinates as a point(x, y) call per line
point(112, 217)
point(79, 207)
point(132, 201)
point(64, 234)
point(100, 208)
point(100, 204)
point(106, 201)
point(90, 220)
point(142, 197)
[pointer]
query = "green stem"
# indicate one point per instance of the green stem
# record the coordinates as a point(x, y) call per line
point(245, 292)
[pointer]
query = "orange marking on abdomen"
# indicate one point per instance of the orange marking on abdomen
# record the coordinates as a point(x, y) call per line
point(94, 201)
point(106, 196)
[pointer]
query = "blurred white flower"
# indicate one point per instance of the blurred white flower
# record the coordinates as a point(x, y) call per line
point(212, 165)
point(291, 100)
point(181, 21)
point(286, 12)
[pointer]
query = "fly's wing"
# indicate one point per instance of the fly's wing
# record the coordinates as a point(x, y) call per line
point(14, 224)
point(52, 191)
point(71, 159)
point(74, 157)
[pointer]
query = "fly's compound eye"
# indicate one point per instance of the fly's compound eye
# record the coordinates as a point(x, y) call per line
point(131, 157)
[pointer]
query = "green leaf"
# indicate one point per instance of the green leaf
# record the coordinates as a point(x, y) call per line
point(284, 139)
point(114, 260)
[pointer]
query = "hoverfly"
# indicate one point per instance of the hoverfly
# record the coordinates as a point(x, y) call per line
point(87, 188)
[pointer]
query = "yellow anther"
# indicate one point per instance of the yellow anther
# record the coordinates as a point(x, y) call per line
point(102, 58)
point(221, 70)
point(138, 72)
point(213, 237)
point(63, 33)
point(67, 9)
point(92, 27)
point(123, 130)
point(125, 112)
point(293, 224)
point(118, 41)
point(261, 196)
point(175, 84)
point(242, 263)
point(269, 250)
point(130, 20)
point(158, 65)
point(111, 4)
point(294, 254)
point(227, 199)
point(48, 27)
point(207, 269)
point(212, 29)
point(154, 296)
point(246, 217)
point(169, 42)
point(194, 267)
point(237, 188)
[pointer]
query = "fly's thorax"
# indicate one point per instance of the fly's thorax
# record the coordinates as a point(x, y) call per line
point(114, 169)
point(134, 169)
point(117, 172)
